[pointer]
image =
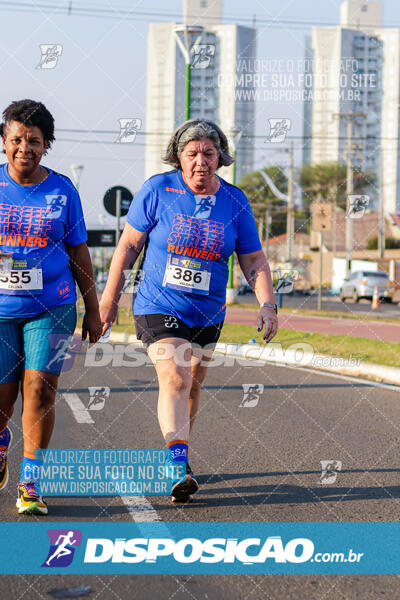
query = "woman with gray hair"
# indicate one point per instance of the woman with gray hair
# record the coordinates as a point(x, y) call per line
point(190, 221)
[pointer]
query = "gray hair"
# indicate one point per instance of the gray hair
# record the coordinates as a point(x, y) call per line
point(193, 130)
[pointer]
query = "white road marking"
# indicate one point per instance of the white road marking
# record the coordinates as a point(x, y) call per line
point(140, 509)
point(79, 410)
point(387, 386)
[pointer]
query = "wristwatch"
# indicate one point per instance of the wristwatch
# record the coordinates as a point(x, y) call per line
point(270, 305)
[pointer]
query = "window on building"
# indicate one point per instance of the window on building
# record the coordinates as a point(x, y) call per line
point(203, 3)
point(364, 8)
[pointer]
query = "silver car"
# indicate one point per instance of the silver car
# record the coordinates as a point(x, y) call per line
point(361, 284)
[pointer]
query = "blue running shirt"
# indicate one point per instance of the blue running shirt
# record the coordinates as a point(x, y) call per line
point(185, 266)
point(36, 223)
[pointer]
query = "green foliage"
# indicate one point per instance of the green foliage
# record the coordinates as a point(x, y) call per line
point(260, 195)
point(390, 243)
point(327, 181)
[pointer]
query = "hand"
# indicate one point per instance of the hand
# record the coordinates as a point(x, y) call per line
point(108, 314)
point(91, 325)
point(269, 319)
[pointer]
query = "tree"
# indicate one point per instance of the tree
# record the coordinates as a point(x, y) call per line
point(260, 195)
point(390, 243)
point(327, 181)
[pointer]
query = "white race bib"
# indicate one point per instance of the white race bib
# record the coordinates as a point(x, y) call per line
point(29, 280)
point(187, 275)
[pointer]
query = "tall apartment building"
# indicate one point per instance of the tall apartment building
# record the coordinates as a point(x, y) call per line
point(214, 83)
point(355, 68)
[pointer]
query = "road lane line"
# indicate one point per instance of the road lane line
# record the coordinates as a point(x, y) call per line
point(367, 382)
point(79, 410)
point(140, 509)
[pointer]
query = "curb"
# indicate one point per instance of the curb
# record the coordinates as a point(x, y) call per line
point(295, 357)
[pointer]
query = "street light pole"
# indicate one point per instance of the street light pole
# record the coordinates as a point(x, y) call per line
point(290, 208)
point(184, 36)
point(235, 135)
point(350, 118)
point(77, 174)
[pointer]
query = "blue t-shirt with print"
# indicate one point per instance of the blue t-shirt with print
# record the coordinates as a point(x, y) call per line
point(190, 239)
point(36, 224)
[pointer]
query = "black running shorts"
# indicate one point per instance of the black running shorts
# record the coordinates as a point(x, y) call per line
point(152, 328)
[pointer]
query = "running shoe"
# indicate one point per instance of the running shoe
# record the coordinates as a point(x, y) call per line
point(29, 501)
point(189, 471)
point(3, 460)
point(182, 487)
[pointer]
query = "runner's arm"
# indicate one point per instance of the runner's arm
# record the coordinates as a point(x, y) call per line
point(257, 272)
point(125, 255)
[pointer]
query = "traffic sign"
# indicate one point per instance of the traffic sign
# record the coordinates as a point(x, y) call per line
point(110, 200)
point(101, 238)
point(321, 216)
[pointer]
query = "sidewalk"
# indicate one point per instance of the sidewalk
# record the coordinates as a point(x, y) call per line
point(372, 330)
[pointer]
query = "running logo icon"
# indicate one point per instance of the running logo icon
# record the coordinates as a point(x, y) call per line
point(202, 54)
point(278, 130)
point(50, 55)
point(357, 206)
point(63, 543)
point(55, 204)
point(330, 469)
point(251, 394)
point(204, 205)
point(97, 397)
point(128, 130)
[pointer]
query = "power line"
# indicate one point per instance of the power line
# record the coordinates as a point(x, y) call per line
point(245, 136)
point(117, 13)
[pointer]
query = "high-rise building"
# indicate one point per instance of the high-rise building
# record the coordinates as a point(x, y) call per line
point(214, 56)
point(355, 70)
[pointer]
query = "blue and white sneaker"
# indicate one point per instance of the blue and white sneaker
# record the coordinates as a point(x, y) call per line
point(183, 487)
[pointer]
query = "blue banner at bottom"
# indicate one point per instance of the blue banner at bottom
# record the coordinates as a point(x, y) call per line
point(213, 548)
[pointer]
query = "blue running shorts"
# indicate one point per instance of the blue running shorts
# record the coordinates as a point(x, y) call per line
point(39, 343)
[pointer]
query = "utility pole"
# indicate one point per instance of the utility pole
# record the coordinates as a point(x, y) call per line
point(381, 236)
point(184, 36)
point(267, 225)
point(350, 118)
point(290, 208)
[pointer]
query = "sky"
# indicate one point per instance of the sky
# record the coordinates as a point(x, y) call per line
point(100, 76)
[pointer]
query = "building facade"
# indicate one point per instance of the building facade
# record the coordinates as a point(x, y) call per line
point(355, 71)
point(215, 56)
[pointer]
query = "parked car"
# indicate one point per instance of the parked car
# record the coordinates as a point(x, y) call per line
point(361, 284)
point(244, 287)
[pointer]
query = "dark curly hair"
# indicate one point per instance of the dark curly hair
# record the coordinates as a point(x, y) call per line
point(30, 112)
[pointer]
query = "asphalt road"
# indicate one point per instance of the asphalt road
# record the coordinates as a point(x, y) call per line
point(255, 462)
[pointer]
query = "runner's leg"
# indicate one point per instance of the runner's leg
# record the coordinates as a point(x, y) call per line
point(200, 360)
point(172, 360)
point(38, 409)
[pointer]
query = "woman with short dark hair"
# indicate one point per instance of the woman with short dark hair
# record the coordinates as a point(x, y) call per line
point(43, 252)
point(190, 221)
